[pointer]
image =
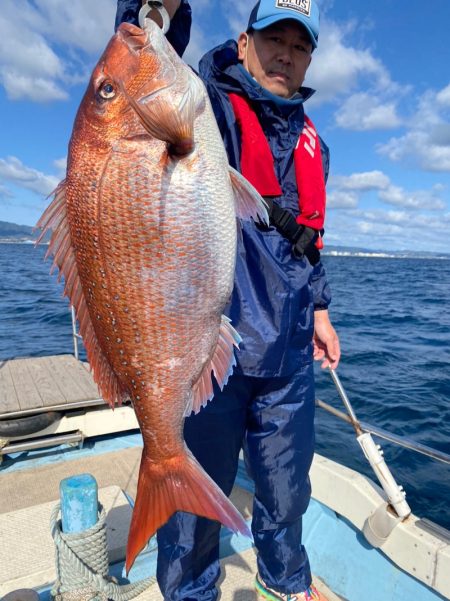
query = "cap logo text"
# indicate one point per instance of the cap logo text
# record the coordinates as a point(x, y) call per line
point(302, 6)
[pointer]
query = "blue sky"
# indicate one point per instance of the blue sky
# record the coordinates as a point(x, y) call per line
point(382, 105)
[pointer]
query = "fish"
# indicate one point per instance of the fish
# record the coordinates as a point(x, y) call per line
point(144, 234)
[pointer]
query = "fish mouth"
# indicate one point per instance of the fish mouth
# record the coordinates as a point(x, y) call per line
point(138, 41)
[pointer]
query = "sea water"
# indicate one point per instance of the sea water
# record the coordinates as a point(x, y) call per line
point(393, 319)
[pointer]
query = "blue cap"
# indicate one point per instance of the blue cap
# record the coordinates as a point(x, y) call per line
point(268, 12)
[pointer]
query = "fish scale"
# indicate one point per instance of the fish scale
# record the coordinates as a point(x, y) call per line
point(144, 233)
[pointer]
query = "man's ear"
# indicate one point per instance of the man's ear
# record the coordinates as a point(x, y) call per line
point(242, 46)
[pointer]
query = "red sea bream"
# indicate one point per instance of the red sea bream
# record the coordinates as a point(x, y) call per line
point(144, 234)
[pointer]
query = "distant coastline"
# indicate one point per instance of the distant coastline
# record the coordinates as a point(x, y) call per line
point(11, 233)
point(337, 251)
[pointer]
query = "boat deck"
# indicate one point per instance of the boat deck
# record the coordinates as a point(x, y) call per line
point(48, 401)
point(38, 384)
point(236, 581)
point(413, 563)
point(28, 496)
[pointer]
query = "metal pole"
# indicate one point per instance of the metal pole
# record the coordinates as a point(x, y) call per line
point(353, 419)
point(74, 333)
point(19, 447)
point(374, 456)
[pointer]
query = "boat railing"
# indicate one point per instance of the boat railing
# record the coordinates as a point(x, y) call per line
point(401, 441)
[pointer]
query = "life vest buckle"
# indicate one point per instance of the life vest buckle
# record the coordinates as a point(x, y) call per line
point(301, 237)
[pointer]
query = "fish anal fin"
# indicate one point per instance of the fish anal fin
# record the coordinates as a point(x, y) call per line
point(248, 202)
point(221, 364)
point(176, 484)
point(54, 219)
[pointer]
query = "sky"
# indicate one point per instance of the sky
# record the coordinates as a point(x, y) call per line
point(382, 105)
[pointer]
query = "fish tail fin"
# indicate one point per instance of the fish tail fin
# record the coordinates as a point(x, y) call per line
point(177, 484)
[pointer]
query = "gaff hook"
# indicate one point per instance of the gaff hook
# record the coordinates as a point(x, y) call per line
point(146, 10)
point(374, 455)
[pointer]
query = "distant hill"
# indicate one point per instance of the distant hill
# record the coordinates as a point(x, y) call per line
point(11, 232)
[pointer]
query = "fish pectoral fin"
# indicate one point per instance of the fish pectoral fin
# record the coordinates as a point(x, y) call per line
point(170, 122)
point(248, 202)
point(221, 365)
point(55, 219)
point(176, 484)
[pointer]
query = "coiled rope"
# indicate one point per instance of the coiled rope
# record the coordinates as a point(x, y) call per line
point(82, 565)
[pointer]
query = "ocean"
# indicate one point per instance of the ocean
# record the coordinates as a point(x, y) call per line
point(393, 319)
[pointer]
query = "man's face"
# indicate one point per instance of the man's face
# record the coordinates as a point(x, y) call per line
point(277, 57)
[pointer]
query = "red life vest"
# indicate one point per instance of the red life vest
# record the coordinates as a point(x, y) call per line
point(257, 164)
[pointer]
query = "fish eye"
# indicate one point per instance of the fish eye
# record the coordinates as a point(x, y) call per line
point(107, 90)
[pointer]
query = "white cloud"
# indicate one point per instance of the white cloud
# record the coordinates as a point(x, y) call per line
point(29, 68)
point(365, 181)
point(5, 194)
point(237, 15)
point(418, 199)
point(443, 97)
point(32, 34)
point(426, 142)
point(408, 222)
point(389, 230)
point(338, 69)
point(342, 199)
point(419, 148)
point(14, 171)
point(198, 46)
point(39, 89)
point(354, 78)
point(83, 24)
point(233, 19)
point(373, 227)
point(363, 112)
point(348, 191)
point(411, 219)
point(345, 192)
point(61, 166)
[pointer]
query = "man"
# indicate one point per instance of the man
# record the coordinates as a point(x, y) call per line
point(279, 303)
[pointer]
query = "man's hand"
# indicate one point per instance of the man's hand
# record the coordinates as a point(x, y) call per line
point(326, 341)
point(170, 5)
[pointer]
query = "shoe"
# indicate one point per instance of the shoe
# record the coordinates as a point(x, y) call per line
point(268, 594)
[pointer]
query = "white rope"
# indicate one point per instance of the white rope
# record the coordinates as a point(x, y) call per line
point(82, 565)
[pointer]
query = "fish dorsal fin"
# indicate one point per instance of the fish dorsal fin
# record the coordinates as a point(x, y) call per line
point(221, 364)
point(248, 202)
point(60, 248)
